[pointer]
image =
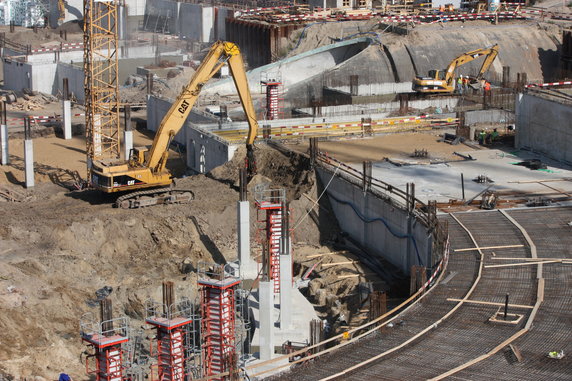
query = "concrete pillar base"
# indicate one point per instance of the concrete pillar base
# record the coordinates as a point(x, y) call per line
point(66, 118)
point(5, 160)
point(285, 291)
point(266, 320)
point(29, 162)
point(128, 143)
point(248, 268)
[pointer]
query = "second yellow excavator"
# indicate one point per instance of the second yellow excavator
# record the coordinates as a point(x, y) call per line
point(444, 81)
point(147, 168)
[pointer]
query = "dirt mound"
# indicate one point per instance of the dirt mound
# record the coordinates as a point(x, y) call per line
point(286, 169)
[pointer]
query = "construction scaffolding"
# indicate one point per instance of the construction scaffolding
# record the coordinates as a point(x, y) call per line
point(101, 86)
point(274, 94)
point(178, 340)
point(106, 338)
point(221, 349)
point(271, 204)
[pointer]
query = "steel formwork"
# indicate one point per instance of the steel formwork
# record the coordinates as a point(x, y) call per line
point(175, 340)
point(218, 328)
point(101, 87)
point(106, 341)
point(271, 204)
point(274, 97)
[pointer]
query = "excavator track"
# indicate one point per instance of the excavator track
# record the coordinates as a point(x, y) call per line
point(152, 197)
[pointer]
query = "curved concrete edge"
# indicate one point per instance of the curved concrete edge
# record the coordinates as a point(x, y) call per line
point(296, 69)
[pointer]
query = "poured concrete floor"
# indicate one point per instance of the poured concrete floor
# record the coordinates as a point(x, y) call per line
point(442, 182)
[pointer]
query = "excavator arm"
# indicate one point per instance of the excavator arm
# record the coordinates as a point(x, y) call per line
point(220, 53)
point(443, 81)
point(464, 58)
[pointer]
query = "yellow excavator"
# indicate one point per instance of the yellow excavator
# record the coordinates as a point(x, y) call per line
point(61, 11)
point(444, 81)
point(146, 168)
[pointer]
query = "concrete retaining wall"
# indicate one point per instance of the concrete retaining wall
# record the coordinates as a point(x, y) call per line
point(197, 22)
point(204, 151)
point(543, 125)
point(488, 116)
point(387, 231)
point(37, 77)
point(17, 75)
point(75, 77)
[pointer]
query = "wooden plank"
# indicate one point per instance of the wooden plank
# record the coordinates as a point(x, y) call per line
point(339, 263)
point(487, 248)
point(523, 264)
point(355, 275)
point(330, 253)
point(489, 303)
point(539, 181)
point(531, 259)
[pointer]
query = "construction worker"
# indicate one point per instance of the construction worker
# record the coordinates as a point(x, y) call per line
point(494, 135)
point(487, 87)
point(460, 84)
point(487, 95)
point(482, 136)
point(466, 84)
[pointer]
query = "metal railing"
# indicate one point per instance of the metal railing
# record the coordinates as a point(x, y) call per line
point(97, 331)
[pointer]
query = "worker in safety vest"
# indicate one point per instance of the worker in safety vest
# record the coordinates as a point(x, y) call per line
point(482, 136)
point(487, 86)
point(460, 84)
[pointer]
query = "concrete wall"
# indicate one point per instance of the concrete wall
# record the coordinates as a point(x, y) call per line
point(135, 7)
point(295, 69)
point(488, 116)
point(75, 77)
point(543, 125)
point(162, 15)
point(17, 75)
point(196, 22)
point(37, 77)
point(204, 151)
point(387, 231)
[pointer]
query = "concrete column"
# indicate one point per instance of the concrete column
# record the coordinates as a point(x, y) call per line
point(4, 144)
point(5, 160)
point(66, 109)
point(247, 265)
point(66, 118)
point(128, 133)
point(266, 317)
point(128, 142)
point(29, 162)
point(285, 291)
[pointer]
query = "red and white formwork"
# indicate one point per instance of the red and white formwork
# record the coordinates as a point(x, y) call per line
point(274, 97)
point(173, 326)
point(270, 204)
point(218, 327)
point(106, 338)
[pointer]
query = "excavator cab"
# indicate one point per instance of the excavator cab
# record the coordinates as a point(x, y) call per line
point(137, 156)
point(437, 74)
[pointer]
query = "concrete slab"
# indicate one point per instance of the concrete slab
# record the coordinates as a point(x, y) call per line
point(442, 182)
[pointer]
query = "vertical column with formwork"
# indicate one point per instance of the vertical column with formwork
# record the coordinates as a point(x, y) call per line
point(270, 203)
point(274, 98)
point(218, 310)
point(172, 321)
point(106, 338)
